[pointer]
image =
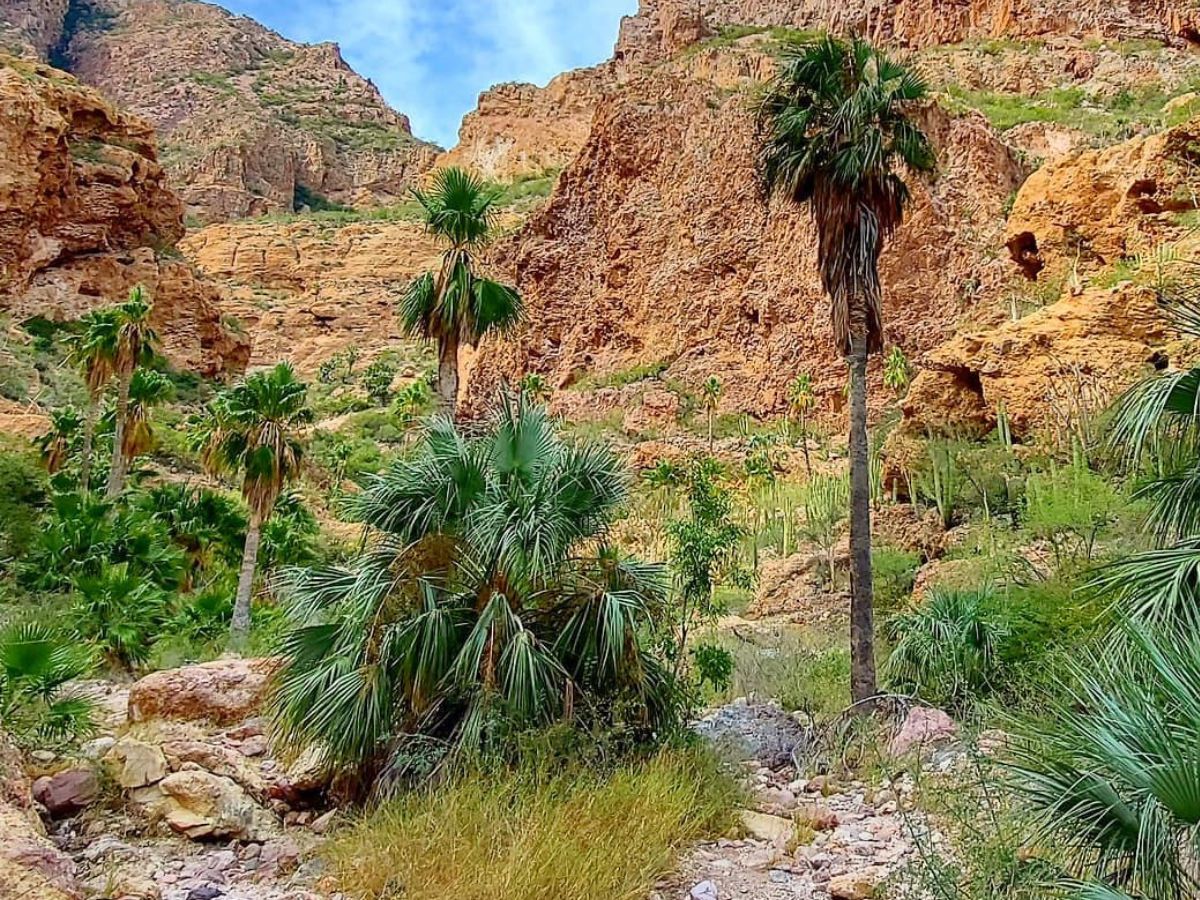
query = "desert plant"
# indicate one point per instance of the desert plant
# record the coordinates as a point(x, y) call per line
point(120, 612)
point(486, 598)
point(456, 304)
point(949, 649)
point(825, 511)
point(1068, 506)
point(710, 393)
point(836, 127)
point(1111, 771)
point(897, 372)
point(136, 342)
point(940, 479)
point(147, 389)
point(535, 386)
point(37, 666)
point(207, 526)
point(801, 401)
point(255, 431)
point(377, 380)
point(57, 444)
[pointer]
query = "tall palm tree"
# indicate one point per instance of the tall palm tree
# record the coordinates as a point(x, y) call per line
point(836, 127)
point(136, 342)
point(94, 351)
point(254, 430)
point(711, 392)
point(455, 304)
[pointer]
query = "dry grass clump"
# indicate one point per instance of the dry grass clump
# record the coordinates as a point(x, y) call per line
point(533, 835)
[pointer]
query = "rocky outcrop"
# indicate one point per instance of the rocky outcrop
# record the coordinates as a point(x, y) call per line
point(661, 27)
point(1049, 371)
point(250, 122)
point(1094, 208)
point(85, 214)
point(221, 692)
point(521, 130)
point(32, 27)
point(656, 248)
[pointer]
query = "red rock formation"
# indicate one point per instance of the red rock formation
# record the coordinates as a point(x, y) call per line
point(85, 214)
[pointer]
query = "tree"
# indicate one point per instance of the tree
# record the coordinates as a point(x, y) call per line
point(801, 400)
point(57, 443)
point(147, 389)
point(486, 600)
point(897, 373)
point(94, 351)
point(254, 430)
point(836, 126)
point(711, 393)
point(377, 380)
point(455, 304)
point(136, 342)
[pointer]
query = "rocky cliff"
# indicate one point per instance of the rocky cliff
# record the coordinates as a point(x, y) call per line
point(85, 214)
point(249, 122)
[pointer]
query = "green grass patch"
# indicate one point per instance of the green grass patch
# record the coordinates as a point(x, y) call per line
point(623, 377)
point(529, 834)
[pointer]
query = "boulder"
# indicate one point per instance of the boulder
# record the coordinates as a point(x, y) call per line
point(923, 728)
point(136, 764)
point(200, 805)
point(67, 792)
point(223, 692)
point(765, 827)
point(859, 885)
point(219, 760)
point(759, 731)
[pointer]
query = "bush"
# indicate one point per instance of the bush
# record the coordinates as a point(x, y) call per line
point(894, 572)
point(1068, 507)
point(37, 665)
point(22, 499)
point(535, 833)
point(487, 599)
point(120, 612)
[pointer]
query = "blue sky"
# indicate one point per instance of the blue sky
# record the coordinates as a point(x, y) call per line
point(432, 58)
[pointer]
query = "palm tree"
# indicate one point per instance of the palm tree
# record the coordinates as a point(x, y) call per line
point(147, 389)
point(487, 595)
point(801, 400)
point(456, 304)
point(254, 429)
point(57, 443)
point(94, 351)
point(836, 127)
point(136, 342)
point(711, 393)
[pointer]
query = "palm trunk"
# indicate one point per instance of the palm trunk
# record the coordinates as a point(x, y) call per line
point(448, 373)
point(239, 628)
point(89, 439)
point(862, 626)
point(116, 474)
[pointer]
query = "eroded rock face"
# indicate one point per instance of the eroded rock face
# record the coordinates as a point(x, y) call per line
point(520, 130)
point(86, 215)
point(246, 117)
point(32, 27)
point(1095, 207)
point(223, 692)
point(656, 248)
point(1068, 359)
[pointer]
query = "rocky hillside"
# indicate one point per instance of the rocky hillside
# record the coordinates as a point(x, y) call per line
point(249, 122)
point(87, 214)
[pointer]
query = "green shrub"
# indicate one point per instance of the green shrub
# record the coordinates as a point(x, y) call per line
point(23, 496)
point(1068, 507)
point(894, 572)
point(37, 665)
point(538, 833)
point(120, 612)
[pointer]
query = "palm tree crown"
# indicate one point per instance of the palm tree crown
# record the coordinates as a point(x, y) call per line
point(836, 123)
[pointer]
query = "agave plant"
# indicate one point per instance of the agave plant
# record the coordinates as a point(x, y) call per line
point(37, 665)
point(486, 596)
point(1112, 774)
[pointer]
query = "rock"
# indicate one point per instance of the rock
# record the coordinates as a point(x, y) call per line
point(280, 855)
point(657, 410)
point(136, 764)
point(856, 885)
point(96, 748)
point(816, 816)
point(135, 887)
point(758, 731)
point(218, 759)
point(45, 757)
point(705, 890)
point(221, 692)
point(764, 827)
point(88, 208)
point(200, 805)
point(323, 822)
point(795, 586)
point(924, 728)
point(67, 792)
point(204, 892)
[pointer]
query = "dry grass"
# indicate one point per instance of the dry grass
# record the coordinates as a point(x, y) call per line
point(538, 836)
